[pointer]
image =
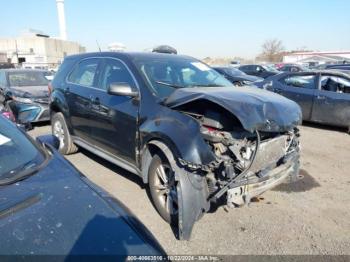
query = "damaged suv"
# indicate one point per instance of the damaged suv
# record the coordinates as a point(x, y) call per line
point(190, 134)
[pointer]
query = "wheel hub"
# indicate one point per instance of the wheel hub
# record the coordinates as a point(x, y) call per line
point(166, 188)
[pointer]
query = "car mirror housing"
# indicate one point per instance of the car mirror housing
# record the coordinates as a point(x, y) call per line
point(122, 89)
point(49, 140)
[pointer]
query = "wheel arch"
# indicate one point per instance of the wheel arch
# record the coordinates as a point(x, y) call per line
point(152, 147)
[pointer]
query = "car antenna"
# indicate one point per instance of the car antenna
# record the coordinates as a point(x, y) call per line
point(98, 45)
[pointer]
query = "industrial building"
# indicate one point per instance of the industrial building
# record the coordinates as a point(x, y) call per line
point(35, 49)
point(334, 57)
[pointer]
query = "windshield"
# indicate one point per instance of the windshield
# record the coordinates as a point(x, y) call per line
point(18, 155)
point(234, 72)
point(165, 74)
point(270, 68)
point(27, 78)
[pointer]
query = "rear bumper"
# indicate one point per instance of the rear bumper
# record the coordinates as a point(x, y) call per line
point(30, 113)
point(252, 187)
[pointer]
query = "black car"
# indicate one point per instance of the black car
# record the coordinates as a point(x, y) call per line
point(25, 93)
point(262, 71)
point(48, 208)
point(292, 68)
point(179, 125)
point(324, 96)
point(236, 76)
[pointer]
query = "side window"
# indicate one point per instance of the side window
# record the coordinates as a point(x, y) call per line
point(301, 81)
point(85, 72)
point(335, 84)
point(115, 72)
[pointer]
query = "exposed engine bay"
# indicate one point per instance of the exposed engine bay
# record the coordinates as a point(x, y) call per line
point(246, 162)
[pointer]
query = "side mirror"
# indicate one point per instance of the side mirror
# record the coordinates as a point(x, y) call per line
point(122, 89)
point(49, 140)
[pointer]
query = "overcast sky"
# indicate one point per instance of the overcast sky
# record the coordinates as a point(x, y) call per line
point(220, 28)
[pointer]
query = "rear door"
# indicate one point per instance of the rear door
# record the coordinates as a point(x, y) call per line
point(114, 118)
point(332, 100)
point(300, 88)
point(80, 84)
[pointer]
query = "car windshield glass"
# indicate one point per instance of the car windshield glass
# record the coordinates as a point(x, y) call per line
point(270, 68)
point(27, 78)
point(18, 155)
point(165, 74)
point(234, 72)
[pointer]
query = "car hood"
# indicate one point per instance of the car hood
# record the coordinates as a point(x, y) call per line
point(57, 211)
point(30, 91)
point(256, 109)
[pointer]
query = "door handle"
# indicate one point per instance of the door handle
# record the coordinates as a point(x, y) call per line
point(94, 100)
point(321, 97)
point(66, 90)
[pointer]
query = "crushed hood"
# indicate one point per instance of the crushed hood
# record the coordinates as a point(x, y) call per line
point(255, 108)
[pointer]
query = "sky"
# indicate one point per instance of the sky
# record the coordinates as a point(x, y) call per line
point(200, 28)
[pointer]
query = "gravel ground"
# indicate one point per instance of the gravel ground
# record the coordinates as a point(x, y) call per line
point(310, 216)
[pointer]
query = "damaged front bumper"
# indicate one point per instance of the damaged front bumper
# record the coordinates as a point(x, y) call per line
point(244, 190)
point(30, 112)
point(276, 159)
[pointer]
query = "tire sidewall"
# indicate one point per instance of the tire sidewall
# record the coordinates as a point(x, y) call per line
point(156, 160)
point(67, 140)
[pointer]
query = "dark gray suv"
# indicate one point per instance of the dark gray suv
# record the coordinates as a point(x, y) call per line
point(179, 125)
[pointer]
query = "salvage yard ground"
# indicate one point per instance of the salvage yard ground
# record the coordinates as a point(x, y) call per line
point(310, 216)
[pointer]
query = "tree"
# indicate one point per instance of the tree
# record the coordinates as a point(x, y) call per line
point(272, 50)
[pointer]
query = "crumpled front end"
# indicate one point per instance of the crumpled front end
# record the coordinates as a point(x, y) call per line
point(246, 163)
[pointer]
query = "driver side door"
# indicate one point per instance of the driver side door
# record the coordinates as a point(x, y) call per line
point(332, 101)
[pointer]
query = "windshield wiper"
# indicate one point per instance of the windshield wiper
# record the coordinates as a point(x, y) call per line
point(168, 84)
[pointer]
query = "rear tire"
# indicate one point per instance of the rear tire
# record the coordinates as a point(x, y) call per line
point(163, 188)
point(60, 130)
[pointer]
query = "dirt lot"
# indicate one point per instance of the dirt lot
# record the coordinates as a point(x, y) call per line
point(311, 216)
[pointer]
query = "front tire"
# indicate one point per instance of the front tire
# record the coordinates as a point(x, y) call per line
point(60, 130)
point(163, 188)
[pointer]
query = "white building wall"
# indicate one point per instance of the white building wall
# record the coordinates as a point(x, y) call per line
point(296, 57)
point(39, 50)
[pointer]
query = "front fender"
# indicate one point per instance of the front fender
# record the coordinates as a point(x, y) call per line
point(192, 194)
point(181, 133)
point(58, 103)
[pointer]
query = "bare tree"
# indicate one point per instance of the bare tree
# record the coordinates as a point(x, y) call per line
point(272, 50)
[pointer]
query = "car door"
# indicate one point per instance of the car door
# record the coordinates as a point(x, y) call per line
point(332, 100)
point(299, 88)
point(78, 91)
point(114, 117)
